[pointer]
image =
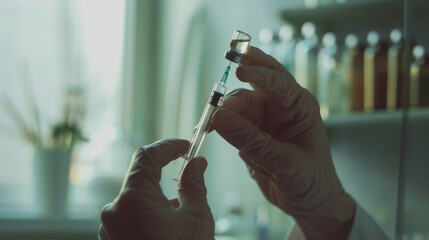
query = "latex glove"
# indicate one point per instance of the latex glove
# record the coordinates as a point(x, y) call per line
point(280, 135)
point(141, 211)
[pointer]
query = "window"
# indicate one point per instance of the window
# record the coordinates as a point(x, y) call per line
point(49, 48)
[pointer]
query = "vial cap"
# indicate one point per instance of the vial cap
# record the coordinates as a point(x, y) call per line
point(286, 32)
point(308, 29)
point(419, 52)
point(373, 38)
point(329, 39)
point(352, 40)
point(233, 56)
point(266, 35)
point(395, 35)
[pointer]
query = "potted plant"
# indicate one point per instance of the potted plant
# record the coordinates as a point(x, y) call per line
point(52, 153)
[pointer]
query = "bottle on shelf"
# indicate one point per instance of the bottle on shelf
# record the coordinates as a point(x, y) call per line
point(375, 73)
point(311, 3)
point(284, 51)
point(331, 89)
point(266, 37)
point(326, 2)
point(395, 71)
point(353, 71)
point(306, 58)
point(419, 78)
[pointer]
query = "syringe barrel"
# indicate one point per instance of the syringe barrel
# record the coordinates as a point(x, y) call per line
point(200, 132)
point(203, 126)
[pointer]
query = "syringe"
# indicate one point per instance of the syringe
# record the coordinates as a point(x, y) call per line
point(239, 43)
point(201, 130)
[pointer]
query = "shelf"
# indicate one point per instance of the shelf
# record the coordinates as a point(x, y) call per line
point(382, 117)
point(48, 229)
point(419, 114)
point(359, 17)
point(49, 225)
point(362, 119)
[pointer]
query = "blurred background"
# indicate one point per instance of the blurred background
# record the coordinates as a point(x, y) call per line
point(85, 83)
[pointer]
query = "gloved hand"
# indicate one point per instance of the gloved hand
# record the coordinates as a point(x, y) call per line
point(280, 135)
point(141, 211)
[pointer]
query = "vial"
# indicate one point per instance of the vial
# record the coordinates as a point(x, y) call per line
point(239, 43)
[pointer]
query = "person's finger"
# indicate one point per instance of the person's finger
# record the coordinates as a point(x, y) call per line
point(193, 198)
point(266, 153)
point(261, 177)
point(107, 222)
point(293, 103)
point(150, 159)
point(102, 234)
point(247, 103)
point(271, 83)
point(264, 72)
point(254, 56)
point(192, 189)
point(254, 171)
point(141, 185)
point(174, 203)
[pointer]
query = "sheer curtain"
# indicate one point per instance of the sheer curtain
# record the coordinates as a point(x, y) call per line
point(163, 62)
point(47, 48)
point(139, 64)
point(185, 91)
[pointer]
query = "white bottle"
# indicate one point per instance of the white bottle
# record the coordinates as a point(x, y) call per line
point(266, 37)
point(395, 56)
point(284, 51)
point(419, 78)
point(331, 89)
point(306, 58)
point(352, 65)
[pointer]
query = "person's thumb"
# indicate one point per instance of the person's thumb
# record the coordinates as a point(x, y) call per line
point(257, 148)
point(192, 188)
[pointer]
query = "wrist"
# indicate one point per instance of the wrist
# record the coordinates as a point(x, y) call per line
point(329, 227)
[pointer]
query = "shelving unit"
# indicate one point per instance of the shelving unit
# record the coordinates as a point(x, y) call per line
point(364, 119)
point(357, 17)
point(414, 115)
point(367, 148)
point(49, 229)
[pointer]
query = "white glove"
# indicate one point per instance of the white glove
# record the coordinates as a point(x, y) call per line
point(141, 211)
point(281, 137)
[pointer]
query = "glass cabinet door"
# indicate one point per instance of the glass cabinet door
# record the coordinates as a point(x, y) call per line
point(358, 73)
point(413, 207)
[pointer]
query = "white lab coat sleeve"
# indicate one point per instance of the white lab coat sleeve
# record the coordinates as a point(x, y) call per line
point(364, 227)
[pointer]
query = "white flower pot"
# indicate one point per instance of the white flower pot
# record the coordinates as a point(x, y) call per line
point(51, 181)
